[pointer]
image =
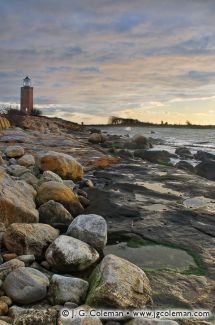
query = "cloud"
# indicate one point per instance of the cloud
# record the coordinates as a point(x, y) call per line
point(92, 58)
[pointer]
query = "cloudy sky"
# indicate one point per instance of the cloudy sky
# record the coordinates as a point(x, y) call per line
point(89, 59)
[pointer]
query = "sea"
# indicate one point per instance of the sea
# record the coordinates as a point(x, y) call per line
point(194, 139)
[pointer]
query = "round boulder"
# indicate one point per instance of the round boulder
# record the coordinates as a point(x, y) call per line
point(183, 152)
point(26, 285)
point(62, 164)
point(138, 142)
point(119, 284)
point(15, 152)
point(26, 160)
point(24, 238)
point(60, 193)
point(54, 214)
point(64, 288)
point(206, 169)
point(67, 254)
point(97, 138)
point(48, 176)
point(90, 228)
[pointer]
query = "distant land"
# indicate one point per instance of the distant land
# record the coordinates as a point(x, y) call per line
point(115, 121)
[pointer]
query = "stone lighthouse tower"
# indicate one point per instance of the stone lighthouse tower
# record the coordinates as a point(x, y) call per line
point(26, 101)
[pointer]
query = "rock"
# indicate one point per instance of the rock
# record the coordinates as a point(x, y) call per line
point(3, 308)
point(1, 161)
point(48, 176)
point(90, 228)
point(8, 256)
point(104, 162)
point(60, 193)
point(9, 266)
point(124, 154)
point(119, 284)
point(65, 288)
point(138, 142)
point(202, 155)
point(183, 152)
point(69, 183)
point(30, 179)
point(141, 321)
point(54, 214)
point(27, 259)
point(35, 316)
point(4, 123)
point(62, 164)
point(16, 201)
point(84, 201)
point(26, 285)
point(67, 254)
point(206, 169)
point(6, 320)
point(12, 161)
point(15, 151)
point(32, 239)
point(26, 160)
point(17, 170)
point(184, 165)
point(158, 156)
point(70, 305)
point(80, 320)
point(97, 138)
point(86, 183)
point(7, 300)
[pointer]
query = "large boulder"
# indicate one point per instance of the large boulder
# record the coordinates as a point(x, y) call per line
point(23, 238)
point(203, 155)
point(184, 165)
point(90, 228)
point(183, 152)
point(206, 169)
point(60, 193)
point(14, 152)
point(154, 156)
point(16, 201)
point(54, 214)
point(119, 284)
point(67, 254)
point(26, 285)
point(64, 288)
point(26, 160)
point(62, 164)
point(138, 142)
point(97, 138)
point(9, 266)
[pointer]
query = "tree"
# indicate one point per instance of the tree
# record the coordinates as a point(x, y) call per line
point(36, 112)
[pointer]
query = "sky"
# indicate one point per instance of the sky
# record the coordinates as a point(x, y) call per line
point(90, 59)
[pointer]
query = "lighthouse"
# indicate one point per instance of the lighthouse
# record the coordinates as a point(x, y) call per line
point(26, 100)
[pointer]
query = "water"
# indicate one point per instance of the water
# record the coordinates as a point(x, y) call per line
point(155, 257)
point(196, 139)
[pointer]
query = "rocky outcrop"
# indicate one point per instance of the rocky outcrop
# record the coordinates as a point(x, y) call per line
point(14, 152)
point(158, 156)
point(26, 285)
point(62, 164)
point(206, 169)
point(54, 214)
point(120, 284)
point(67, 254)
point(90, 228)
point(16, 201)
point(65, 288)
point(138, 142)
point(34, 239)
point(61, 193)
